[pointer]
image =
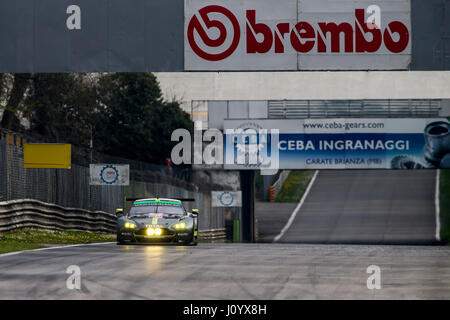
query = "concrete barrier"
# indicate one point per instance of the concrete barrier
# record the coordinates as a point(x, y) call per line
point(277, 185)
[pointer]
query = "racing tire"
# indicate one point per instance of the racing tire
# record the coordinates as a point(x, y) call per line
point(119, 242)
point(193, 242)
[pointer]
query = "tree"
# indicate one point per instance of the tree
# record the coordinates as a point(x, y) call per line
point(19, 86)
point(124, 112)
point(135, 122)
point(167, 118)
point(62, 107)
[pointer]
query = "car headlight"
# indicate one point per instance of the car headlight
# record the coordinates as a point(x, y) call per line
point(129, 225)
point(180, 225)
point(154, 231)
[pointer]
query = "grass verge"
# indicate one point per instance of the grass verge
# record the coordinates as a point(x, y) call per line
point(27, 239)
point(295, 186)
point(444, 202)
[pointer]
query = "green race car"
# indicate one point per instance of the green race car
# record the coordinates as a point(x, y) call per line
point(157, 220)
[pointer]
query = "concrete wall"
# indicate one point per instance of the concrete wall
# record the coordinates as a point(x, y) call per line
point(185, 86)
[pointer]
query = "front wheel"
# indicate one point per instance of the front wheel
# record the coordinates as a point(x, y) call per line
point(119, 241)
point(193, 242)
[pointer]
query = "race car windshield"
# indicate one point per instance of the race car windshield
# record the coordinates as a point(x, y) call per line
point(173, 210)
point(157, 208)
point(140, 210)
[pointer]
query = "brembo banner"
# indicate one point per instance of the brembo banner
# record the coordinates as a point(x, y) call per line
point(297, 35)
point(220, 35)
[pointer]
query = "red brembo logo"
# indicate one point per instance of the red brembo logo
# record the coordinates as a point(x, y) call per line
point(303, 36)
point(195, 24)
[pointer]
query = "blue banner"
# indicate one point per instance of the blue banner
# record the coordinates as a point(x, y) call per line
point(339, 144)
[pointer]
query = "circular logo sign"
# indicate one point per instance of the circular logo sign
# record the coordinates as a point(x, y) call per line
point(226, 199)
point(249, 144)
point(195, 25)
point(109, 174)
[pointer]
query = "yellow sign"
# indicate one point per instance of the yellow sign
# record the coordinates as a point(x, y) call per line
point(47, 155)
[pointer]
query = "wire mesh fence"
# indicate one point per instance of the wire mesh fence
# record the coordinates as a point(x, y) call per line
point(67, 188)
point(71, 188)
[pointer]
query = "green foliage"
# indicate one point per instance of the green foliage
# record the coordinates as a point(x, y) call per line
point(27, 239)
point(124, 113)
point(135, 121)
point(295, 186)
point(12, 246)
point(61, 107)
point(12, 92)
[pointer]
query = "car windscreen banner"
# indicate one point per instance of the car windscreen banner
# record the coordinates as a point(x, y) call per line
point(352, 143)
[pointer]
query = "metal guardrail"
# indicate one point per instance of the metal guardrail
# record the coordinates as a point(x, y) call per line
point(29, 213)
point(213, 234)
point(275, 188)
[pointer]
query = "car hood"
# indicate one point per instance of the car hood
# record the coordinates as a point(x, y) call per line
point(163, 222)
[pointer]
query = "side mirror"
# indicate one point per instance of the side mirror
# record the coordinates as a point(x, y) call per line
point(195, 211)
point(119, 212)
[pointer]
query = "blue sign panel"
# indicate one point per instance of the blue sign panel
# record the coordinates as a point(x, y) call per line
point(339, 144)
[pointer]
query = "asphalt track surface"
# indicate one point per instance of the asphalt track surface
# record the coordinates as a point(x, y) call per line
point(228, 271)
point(271, 218)
point(376, 207)
point(367, 207)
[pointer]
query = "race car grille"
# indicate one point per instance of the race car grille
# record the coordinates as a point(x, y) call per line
point(143, 232)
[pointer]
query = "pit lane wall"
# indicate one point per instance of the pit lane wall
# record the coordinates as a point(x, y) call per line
point(344, 143)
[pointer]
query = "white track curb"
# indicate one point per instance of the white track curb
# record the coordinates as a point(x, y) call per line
point(297, 208)
point(51, 248)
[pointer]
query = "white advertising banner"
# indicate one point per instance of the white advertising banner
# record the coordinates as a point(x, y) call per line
point(109, 174)
point(226, 198)
point(297, 35)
